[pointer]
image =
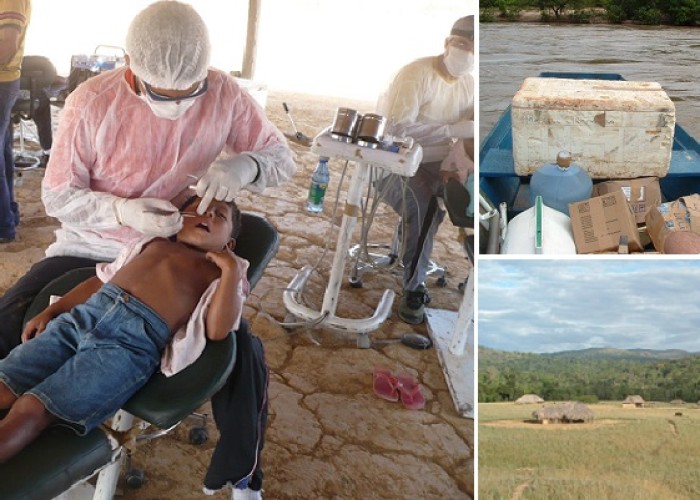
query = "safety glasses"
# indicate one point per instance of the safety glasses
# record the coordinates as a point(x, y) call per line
point(154, 96)
point(462, 43)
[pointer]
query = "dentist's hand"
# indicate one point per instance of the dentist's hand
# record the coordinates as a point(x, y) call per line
point(150, 216)
point(224, 178)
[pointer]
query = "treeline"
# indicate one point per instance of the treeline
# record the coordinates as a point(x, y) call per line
point(507, 376)
point(649, 12)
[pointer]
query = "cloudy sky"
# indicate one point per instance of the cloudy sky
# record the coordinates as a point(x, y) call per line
point(558, 305)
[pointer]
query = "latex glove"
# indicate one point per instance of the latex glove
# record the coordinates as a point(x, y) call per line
point(457, 165)
point(224, 178)
point(150, 216)
point(463, 129)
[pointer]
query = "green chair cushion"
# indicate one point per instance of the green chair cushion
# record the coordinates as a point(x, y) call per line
point(257, 242)
point(166, 401)
point(53, 463)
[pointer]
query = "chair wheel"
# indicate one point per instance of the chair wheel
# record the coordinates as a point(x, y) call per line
point(355, 282)
point(135, 478)
point(441, 282)
point(198, 435)
point(25, 162)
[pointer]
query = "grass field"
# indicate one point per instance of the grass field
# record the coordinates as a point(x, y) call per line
point(643, 453)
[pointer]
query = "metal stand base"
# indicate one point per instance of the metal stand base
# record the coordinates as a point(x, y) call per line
point(385, 260)
point(404, 163)
point(378, 260)
point(362, 327)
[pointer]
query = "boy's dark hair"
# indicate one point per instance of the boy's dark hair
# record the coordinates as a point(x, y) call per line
point(235, 214)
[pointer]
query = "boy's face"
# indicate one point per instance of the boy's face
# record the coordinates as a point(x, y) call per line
point(210, 231)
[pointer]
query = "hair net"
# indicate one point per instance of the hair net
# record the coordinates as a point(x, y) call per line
point(464, 27)
point(168, 45)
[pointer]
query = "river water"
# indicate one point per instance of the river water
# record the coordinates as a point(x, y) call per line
point(511, 52)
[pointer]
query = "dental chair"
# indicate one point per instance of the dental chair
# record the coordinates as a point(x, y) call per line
point(60, 459)
point(456, 200)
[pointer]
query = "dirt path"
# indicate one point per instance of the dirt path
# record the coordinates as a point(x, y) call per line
point(674, 428)
point(328, 435)
point(520, 489)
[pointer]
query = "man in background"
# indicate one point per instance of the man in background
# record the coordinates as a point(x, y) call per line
point(48, 81)
point(14, 19)
point(431, 100)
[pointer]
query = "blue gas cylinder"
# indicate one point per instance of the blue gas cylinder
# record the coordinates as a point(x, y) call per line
point(560, 183)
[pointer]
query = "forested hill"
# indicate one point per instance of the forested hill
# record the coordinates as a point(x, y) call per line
point(590, 375)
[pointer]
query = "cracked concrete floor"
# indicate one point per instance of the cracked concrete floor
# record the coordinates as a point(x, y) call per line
point(328, 435)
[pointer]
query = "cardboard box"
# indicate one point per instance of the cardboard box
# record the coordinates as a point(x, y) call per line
point(613, 129)
point(682, 214)
point(599, 222)
point(642, 194)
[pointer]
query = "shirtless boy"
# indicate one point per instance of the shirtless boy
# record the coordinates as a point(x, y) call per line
point(84, 365)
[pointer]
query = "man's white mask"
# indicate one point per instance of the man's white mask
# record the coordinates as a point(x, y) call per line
point(170, 110)
point(458, 61)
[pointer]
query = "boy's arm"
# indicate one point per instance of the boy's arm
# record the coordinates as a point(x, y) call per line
point(227, 302)
point(77, 295)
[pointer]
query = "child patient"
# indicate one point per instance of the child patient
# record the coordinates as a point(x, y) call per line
point(84, 356)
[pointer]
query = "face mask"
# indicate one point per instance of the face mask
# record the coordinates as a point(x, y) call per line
point(170, 110)
point(458, 62)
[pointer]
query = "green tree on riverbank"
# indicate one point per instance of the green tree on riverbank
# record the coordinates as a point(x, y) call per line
point(649, 12)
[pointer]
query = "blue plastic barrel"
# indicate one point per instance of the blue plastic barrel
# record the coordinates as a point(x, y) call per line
point(560, 183)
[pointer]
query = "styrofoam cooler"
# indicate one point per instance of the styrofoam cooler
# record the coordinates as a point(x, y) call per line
point(613, 129)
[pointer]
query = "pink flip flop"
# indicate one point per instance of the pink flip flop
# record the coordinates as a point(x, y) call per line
point(411, 395)
point(385, 384)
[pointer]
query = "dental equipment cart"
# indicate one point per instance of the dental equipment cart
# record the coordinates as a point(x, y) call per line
point(405, 162)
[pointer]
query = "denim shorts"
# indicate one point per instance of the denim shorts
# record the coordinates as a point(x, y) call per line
point(91, 360)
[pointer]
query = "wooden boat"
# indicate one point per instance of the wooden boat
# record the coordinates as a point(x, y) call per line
point(499, 184)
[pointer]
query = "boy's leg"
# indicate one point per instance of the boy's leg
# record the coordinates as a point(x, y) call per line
point(15, 302)
point(7, 397)
point(119, 344)
point(24, 422)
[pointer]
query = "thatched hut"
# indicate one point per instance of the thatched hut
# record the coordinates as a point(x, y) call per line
point(564, 413)
point(633, 402)
point(529, 399)
point(677, 402)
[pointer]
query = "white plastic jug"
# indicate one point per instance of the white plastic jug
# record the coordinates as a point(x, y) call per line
point(539, 230)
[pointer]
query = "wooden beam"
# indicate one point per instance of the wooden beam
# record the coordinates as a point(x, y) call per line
point(251, 44)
